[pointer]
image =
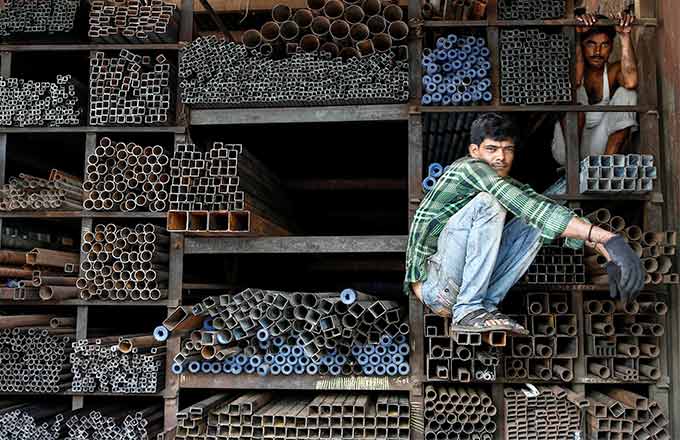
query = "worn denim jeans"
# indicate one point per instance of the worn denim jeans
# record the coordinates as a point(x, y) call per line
point(478, 259)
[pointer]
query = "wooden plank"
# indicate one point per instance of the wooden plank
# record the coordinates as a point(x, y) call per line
point(415, 164)
point(80, 302)
point(88, 47)
point(345, 184)
point(175, 269)
point(81, 214)
point(296, 245)
point(652, 197)
point(187, 20)
point(537, 108)
point(493, 41)
point(294, 382)
point(352, 113)
point(94, 129)
point(643, 22)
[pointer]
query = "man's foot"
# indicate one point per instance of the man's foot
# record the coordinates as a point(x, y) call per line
point(516, 327)
point(480, 321)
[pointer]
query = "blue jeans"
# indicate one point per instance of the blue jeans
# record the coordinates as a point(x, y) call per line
point(478, 259)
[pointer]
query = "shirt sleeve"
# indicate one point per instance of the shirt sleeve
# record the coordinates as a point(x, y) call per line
point(540, 212)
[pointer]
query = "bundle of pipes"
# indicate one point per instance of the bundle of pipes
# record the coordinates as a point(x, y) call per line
point(549, 412)
point(126, 177)
point(134, 21)
point(271, 332)
point(618, 173)
point(457, 72)
point(623, 341)
point(26, 192)
point(531, 9)
point(38, 274)
point(346, 29)
point(454, 9)
point(656, 250)
point(32, 103)
point(548, 352)
point(34, 352)
point(118, 364)
point(337, 415)
point(24, 238)
point(219, 192)
point(227, 74)
point(618, 413)
point(534, 67)
point(18, 16)
point(121, 263)
point(446, 136)
point(458, 413)
point(557, 264)
point(449, 360)
point(23, 421)
point(131, 89)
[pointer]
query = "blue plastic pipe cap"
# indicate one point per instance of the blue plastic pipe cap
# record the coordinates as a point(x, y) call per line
point(380, 370)
point(312, 369)
point(263, 370)
point(262, 334)
point(160, 333)
point(426, 100)
point(177, 368)
point(428, 183)
point(349, 296)
point(404, 369)
point(391, 370)
point(206, 367)
point(194, 367)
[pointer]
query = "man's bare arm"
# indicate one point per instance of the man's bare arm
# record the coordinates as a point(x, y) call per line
point(580, 229)
point(628, 74)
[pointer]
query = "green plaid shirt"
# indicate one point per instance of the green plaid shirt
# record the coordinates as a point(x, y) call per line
point(461, 182)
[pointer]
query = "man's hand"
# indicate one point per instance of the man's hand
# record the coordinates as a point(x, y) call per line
point(585, 21)
point(626, 274)
point(625, 23)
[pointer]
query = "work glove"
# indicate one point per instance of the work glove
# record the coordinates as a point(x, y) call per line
point(625, 270)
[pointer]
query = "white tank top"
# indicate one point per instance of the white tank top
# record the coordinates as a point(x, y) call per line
point(594, 118)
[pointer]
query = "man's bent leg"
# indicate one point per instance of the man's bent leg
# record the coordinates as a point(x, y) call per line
point(519, 246)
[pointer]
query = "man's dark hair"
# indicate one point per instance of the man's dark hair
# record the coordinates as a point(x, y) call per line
point(609, 31)
point(493, 126)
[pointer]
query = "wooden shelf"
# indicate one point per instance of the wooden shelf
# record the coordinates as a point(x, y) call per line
point(535, 108)
point(654, 197)
point(297, 115)
point(71, 393)
point(294, 382)
point(80, 302)
point(42, 47)
point(94, 129)
point(295, 245)
point(81, 214)
point(652, 22)
point(577, 381)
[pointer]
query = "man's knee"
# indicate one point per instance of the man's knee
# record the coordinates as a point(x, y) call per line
point(488, 204)
point(624, 96)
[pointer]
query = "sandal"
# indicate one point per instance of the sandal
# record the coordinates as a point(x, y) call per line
point(516, 327)
point(478, 321)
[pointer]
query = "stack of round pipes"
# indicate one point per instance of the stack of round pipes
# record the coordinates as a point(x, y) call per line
point(458, 413)
point(45, 16)
point(348, 29)
point(214, 72)
point(31, 103)
point(126, 177)
point(27, 192)
point(457, 72)
point(530, 9)
point(118, 364)
point(123, 263)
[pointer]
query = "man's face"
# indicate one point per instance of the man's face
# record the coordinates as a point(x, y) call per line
point(596, 49)
point(498, 154)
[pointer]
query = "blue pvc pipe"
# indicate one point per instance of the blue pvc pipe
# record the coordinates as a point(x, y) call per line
point(446, 100)
point(241, 359)
point(380, 370)
point(263, 345)
point(161, 333)
point(304, 360)
point(194, 367)
point(391, 370)
point(297, 351)
point(453, 38)
point(393, 348)
point(206, 367)
point(404, 369)
point(369, 349)
point(438, 171)
point(236, 369)
point(426, 100)
point(404, 349)
point(428, 183)
point(263, 369)
point(362, 359)
point(397, 358)
point(284, 350)
point(268, 358)
point(335, 370)
point(292, 359)
point(340, 359)
point(357, 350)
point(400, 339)
point(287, 369)
point(386, 359)
point(299, 369)
point(432, 69)
point(374, 359)
point(207, 324)
point(279, 359)
point(380, 350)
point(369, 370)
point(312, 369)
point(484, 51)
point(215, 368)
point(255, 360)
point(177, 368)
point(487, 97)
point(226, 368)
point(278, 341)
point(275, 369)
point(327, 360)
point(349, 296)
point(262, 334)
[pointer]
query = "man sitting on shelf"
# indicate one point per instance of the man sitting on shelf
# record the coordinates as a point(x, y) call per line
point(463, 257)
point(600, 82)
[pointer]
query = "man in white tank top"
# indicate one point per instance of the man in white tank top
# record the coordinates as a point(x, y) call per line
point(597, 78)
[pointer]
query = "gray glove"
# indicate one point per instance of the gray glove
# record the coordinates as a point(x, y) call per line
point(625, 270)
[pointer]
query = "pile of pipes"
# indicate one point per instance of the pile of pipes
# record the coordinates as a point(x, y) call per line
point(557, 264)
point(229, 75)
point(126, 177)
point(54, 421)
point(118, 364)
point(121, 263)
point(28, 103)
point(454, 9)
point(457, 72)
point(271, 332)
point(449, 358)
point(458, 413)
point(19, 16)
point(617, 173)
point(346, 29)
point(225, 190)
point(434, 172)
point(134, 21)
point(26, 192)
point(548, 412)
point(534, 67)
point(623, 340)
point(38, 274)
point(25, 238)
point(656, 249)
point(531, 9)
point(130, 90)
point(619, 413)
point(548, 352)
point(264, 414)
point(446, 136)
point(34, 351)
